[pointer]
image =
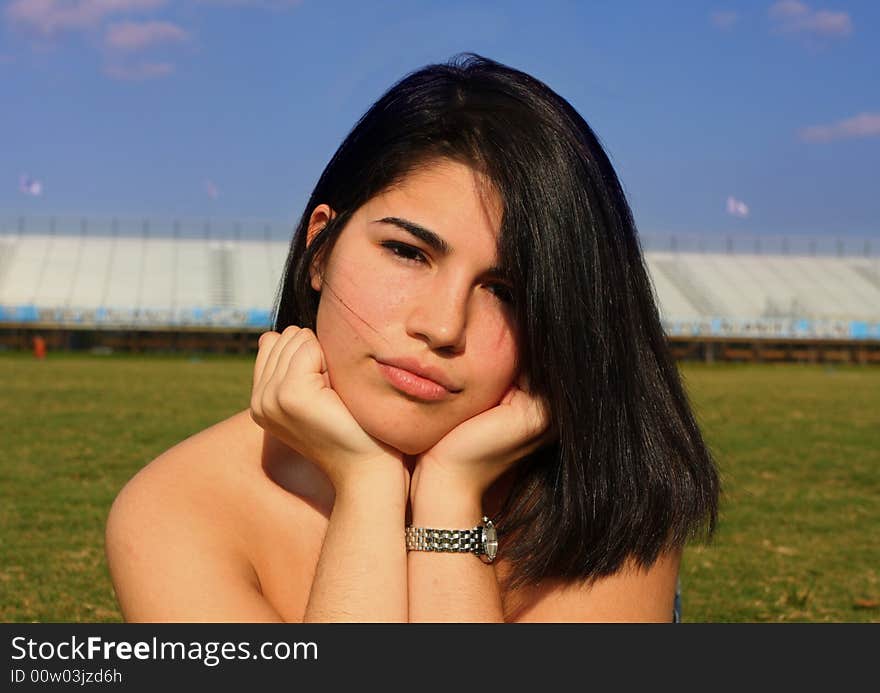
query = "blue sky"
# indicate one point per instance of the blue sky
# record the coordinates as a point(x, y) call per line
point(753, 117)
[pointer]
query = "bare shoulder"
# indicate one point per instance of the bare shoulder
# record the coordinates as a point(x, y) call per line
point(175, 539)
point(194, 474)
point(632, 594)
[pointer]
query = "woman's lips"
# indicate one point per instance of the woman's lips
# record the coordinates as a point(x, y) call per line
point(412, 384)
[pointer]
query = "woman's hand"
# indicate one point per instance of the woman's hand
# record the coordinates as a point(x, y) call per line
point(293, 400)
point(464, 463)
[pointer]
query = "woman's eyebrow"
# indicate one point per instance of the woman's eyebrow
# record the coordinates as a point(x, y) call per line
point(425, 235)
point(429, 238)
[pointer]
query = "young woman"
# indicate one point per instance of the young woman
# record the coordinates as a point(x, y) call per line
point(465, 341)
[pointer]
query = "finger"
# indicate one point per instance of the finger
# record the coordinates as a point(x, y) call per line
point(288, 355)
point(549, 430)
point(309, 358)
point(539, 429)
point(507, 397)
point(536, 415)
point(266, 343)
point(267, 339)
point(272, 363)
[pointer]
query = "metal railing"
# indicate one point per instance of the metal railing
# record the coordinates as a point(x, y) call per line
point(837, 245)
point(148, 227)
point(833, 244)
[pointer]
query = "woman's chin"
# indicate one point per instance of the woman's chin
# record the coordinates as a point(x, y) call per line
point(402, 425)
point(407, 444)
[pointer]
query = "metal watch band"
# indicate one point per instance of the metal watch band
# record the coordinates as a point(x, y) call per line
point(448, 540)
point(481, 540)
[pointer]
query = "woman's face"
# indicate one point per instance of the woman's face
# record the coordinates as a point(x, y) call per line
point(426, 300)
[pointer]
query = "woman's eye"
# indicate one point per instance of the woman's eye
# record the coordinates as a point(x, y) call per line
point(503, 292)
point(408, 253)
point(405, 252)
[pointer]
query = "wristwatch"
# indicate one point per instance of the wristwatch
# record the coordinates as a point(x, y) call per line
point(482, 540)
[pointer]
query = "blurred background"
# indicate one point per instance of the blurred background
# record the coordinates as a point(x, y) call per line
point(155, 156)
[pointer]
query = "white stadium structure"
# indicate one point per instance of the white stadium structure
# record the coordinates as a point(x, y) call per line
point(214, 276)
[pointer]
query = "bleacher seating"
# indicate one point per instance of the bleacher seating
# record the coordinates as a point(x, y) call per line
point(141, 279)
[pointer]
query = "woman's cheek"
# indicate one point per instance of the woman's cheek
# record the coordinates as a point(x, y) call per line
point(498, 354)
point(354, 305)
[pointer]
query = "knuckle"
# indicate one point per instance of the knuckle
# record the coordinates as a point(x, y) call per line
point(302, 347)
point(287, 400)
point(304, 335)
point(269, 405)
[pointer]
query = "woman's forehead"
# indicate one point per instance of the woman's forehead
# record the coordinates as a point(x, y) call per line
point(445, 196)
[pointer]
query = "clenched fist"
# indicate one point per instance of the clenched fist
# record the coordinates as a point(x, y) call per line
point(293, 400)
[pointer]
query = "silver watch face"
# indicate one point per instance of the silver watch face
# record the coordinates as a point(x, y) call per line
point(490, 541)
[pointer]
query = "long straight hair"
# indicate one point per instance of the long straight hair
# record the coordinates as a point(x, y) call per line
point(629, 475)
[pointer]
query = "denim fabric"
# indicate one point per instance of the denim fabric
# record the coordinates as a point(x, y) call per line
point(676, 607)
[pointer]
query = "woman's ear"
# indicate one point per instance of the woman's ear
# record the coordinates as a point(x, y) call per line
point(321, 215)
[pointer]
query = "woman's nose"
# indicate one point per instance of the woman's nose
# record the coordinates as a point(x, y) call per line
point(439, 317)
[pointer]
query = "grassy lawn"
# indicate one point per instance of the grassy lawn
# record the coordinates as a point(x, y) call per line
point(799, 452)
point(798, 448)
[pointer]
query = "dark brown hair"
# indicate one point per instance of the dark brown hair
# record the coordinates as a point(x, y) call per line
point(629, 475)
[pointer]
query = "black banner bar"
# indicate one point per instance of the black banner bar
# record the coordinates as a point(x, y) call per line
point(286, 656)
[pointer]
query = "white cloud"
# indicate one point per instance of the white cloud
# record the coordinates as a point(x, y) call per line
point(861, 125)
point(789, 9)
point(724, 19)
point(271, 4)
point(43, 20)
point(30, 186)
point(48, 17)
point(795, 17)
point(133, 36)
point(737, 208)
point(138, 72)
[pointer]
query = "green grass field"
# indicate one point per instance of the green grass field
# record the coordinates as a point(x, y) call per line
point(798, 448)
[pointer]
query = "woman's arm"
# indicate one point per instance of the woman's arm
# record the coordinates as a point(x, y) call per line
point(459, 587)
point(361, 573)
point(447, 488)
point(449, 587)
